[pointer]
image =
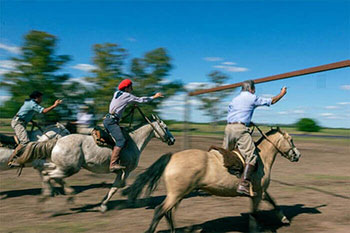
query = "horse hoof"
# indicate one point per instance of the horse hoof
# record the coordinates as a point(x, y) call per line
point(43, 199)
point(103, 208)
point(285, 220)
point(69, 191)
point(70, 200)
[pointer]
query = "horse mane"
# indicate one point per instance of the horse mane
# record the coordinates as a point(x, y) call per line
point(272, 131)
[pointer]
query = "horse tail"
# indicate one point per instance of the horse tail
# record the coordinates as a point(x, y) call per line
point(151, 177)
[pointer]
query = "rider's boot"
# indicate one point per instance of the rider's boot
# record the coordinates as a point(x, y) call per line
point(12, 160)
point(245, 186)
point(114, 166)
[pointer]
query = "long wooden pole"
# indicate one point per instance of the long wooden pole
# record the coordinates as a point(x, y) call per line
point(316, 69)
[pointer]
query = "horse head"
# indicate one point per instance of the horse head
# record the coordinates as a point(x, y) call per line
point(286, 147)
point(161, 131)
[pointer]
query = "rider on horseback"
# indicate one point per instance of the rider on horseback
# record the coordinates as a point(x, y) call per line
point(121, 99)
point(25, 115)
point(240, 112)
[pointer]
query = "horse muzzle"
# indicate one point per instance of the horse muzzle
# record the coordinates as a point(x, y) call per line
point(171, 141)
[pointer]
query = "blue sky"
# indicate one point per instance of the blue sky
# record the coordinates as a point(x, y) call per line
point(244, 39)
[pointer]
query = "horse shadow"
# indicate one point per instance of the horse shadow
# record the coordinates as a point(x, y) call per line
point(57, 190)
point(268, 222)
point(148, 203)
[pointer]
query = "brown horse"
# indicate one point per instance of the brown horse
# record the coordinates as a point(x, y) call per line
point(192, 169)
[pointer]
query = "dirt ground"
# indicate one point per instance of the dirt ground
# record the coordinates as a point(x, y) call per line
point(314, 194)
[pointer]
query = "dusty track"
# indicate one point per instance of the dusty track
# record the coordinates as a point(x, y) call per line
point(314, 193)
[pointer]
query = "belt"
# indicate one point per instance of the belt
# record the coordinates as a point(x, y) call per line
point(111, 116)
point(17, 118)
point(237, 122)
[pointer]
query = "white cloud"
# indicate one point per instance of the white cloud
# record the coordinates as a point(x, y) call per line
point(11, 49)
point(80, 80)
point(344, 103)
point(84, 67)
point(131, 39)
point(4, 98)
point(345, 87)
point(283, 113)
point(165, 81)
point(196, 85)
point(331, 107)
point(6, 66)
point(211, 59)
point(229, 63)
point(327, 114)
point(267, 95)
point(264, 108)
point(298, 111)
point(231, 68)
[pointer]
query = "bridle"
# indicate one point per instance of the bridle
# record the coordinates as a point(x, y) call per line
point(284, 154)
point(164, 139)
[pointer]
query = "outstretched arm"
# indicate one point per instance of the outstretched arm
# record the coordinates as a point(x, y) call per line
point(279, 96)
point(48, 109)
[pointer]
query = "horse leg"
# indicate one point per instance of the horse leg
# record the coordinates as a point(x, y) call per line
point(67, 189)
point(277, 209)
point(162, 210)
point(119, 182)
point(253, 223)
point(170, 218)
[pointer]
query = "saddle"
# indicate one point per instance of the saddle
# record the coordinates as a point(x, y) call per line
point(233, 160)
point(102, 137)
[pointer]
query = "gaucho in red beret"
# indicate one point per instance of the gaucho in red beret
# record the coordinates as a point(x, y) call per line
point(121, 98)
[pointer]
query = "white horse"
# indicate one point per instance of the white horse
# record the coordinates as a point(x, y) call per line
point(77, 151)
point(49, 132)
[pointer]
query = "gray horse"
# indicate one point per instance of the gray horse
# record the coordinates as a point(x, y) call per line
point(49, 132)
point(77, 151)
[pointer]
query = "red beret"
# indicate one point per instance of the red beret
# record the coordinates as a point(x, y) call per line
point(125, 83)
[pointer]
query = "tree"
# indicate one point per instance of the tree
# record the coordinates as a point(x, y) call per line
point(307, 125)
point(37, 68)
point(211, 102)
point(148, 75)
point(108, 59)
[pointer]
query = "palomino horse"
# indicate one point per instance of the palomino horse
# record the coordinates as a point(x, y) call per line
point(49, 132)
point(192, 169)
point(77, 151)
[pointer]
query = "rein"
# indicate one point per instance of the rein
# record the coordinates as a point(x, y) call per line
point(146, 119)
point(265, 136)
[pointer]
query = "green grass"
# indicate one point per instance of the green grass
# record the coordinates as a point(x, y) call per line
point(327, 177)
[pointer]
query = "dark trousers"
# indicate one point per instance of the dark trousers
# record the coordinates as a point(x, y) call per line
point(111, 125)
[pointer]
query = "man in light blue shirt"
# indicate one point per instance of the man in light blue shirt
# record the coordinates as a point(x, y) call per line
point(25, 115)
point(240, 112)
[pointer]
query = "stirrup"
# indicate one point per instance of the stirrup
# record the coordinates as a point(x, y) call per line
point(116, 167)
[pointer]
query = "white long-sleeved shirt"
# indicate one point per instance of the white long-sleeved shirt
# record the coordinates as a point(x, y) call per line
point(121, 99)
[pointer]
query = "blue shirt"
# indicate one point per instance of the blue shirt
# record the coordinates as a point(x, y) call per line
point(28, 109)
point(242, 107)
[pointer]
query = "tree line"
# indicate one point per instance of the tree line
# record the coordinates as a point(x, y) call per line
point(38, 67)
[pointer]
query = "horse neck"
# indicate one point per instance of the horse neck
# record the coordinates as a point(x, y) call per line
point(142, 136)
point(268, 152)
